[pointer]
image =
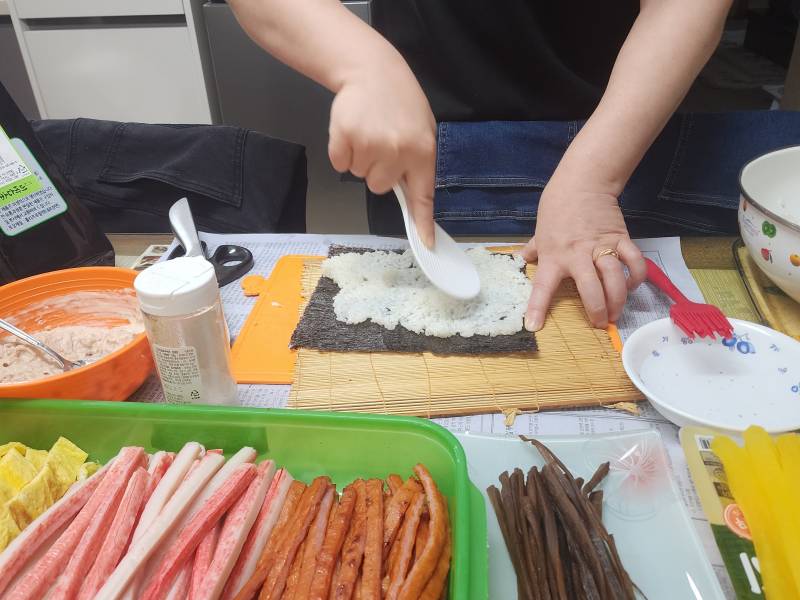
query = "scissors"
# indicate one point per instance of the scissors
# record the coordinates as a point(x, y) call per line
point(230, 262)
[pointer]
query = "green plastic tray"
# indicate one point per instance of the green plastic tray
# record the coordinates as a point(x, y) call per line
point(343, 446)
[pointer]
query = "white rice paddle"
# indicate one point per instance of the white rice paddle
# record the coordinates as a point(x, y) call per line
point(445, 265)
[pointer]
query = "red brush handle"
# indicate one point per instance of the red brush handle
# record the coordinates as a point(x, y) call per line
point(658, 278)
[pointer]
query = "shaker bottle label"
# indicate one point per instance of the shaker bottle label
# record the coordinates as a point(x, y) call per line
point(17, 180)
point(19, 213)
point(179, 372)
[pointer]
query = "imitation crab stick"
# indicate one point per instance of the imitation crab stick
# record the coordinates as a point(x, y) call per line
point(158, 464)
point(83, 556)
point(36, 582)
point(166, 487)
point(157, 467)
point(244, 455)
point(259, 534)
point(182, 584)
point(24, 547)
point(118, 536)
point(174, 469)
point(238, 523)
point(202, 560)
point(142, 549)
point(193, 533)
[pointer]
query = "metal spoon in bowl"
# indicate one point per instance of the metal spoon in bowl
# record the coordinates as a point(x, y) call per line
point(66, 364)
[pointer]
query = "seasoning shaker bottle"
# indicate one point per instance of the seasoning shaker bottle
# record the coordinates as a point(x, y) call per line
point(186, 328)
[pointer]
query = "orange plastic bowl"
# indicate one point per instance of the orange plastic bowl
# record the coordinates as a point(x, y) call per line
point(113, 377)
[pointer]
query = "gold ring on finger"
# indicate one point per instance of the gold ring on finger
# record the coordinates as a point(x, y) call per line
point(606, 252)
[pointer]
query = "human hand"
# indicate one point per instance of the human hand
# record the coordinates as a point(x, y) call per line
point(573, 229)
point(382, 129)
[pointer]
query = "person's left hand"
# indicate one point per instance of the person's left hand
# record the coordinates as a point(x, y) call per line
point(575, 230)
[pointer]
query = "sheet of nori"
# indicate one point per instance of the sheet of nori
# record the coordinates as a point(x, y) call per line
point(319, 329)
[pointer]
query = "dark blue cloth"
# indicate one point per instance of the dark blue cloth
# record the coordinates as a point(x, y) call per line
point(490, 175)
point(129, 174)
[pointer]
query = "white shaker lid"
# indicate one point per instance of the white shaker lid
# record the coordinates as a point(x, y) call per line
point(176, 287)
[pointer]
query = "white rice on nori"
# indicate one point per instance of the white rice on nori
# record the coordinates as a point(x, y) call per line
point(388, 288)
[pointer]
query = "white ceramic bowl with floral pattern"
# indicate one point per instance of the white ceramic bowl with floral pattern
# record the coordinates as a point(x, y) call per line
point(769, 216)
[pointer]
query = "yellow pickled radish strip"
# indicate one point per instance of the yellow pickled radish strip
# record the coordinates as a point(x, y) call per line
point(775, 490)
point(739, 469)
point(789, 451)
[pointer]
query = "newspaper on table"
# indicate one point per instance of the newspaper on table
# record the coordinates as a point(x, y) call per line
point(644, 305)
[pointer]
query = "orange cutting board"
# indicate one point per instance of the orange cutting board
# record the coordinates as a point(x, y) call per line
point(261, 352)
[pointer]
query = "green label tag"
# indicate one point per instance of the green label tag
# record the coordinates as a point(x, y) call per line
point(34, 209)
point(16, 178)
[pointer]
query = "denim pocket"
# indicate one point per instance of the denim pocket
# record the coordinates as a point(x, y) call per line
point(204, 160)
point(708, 156)
point(687, 182)
point(490, 175)
point(713, 148)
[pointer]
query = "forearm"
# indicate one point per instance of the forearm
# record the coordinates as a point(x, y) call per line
point(669, 43)
point(319, 38)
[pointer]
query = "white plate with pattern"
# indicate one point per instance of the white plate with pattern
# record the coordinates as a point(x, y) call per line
point(752, 378)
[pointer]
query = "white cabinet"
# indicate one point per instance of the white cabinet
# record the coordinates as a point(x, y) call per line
point(122, 60)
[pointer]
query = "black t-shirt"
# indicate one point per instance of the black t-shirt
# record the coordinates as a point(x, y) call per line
point(508, 59)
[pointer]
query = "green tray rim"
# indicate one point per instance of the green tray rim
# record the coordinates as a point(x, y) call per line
point(470, 544)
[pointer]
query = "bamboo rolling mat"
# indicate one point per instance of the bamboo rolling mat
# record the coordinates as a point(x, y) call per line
point(576, 365)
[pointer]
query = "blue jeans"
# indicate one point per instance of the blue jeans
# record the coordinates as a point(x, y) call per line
point(490, 175)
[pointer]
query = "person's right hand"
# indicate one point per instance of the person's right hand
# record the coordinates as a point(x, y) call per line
point(382, 130)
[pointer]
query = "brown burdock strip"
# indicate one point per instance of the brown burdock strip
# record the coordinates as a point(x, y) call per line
point(572, 519)
point(552, 525)
point(596, 500)
point(524, 585)
point(523, 590)
point(598, 476)
point(518, 489)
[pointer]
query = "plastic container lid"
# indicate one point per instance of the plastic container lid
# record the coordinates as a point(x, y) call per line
point(176, 287)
